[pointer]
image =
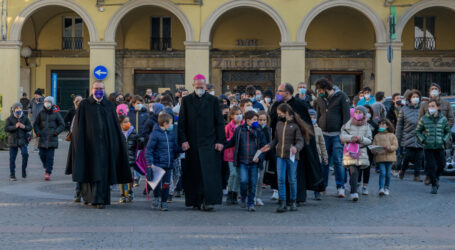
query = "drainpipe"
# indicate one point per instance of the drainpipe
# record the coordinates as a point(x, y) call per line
point(3, 19)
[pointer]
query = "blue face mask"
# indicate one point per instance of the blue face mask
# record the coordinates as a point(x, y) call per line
point(19, 113)
point(258, 97)
point(381, 129)
point(302, 91)
point(263, 125)
point(170, 128)
point(99, 94)
point(314, 121)
point(254, 124)
point(253, 99)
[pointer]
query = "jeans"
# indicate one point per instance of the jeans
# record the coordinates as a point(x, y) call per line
point(248, 182)
point(385, 169)
point(436, 161)
point(414, 155)
point(163, 187)
point(12, 158)
point(283, 167)
point(47, 158)
point(335, 152)
point(234, 178)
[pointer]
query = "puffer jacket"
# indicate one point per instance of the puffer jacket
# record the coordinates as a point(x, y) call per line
point(320, 143)
point(445, 109)
point(229, 130)
point(48, 125)
point(131, 140)
point(433, 132)
point(364, 132)
point(287, 134)
point(386, 139)
point(138, 119)
point(161, 149)
point(17, 136)
point(332, 112)
point(406, 127)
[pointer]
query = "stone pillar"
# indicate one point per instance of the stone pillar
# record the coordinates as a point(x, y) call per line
point(103, 53)
point(293, 62)
point(382, 68)
point(197, 61)
point(10, 64)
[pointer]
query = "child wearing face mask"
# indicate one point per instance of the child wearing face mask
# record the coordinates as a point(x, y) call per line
point(263, 120)
point(356, 136)
point(322, 150)
point(17, 126)
point(161, 151)
point(131, 140)
point(235, 120)
point(364, 174)
point(247, 140)
point(387, 139)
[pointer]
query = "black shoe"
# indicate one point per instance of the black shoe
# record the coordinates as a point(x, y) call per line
point(282, 208)
point(207, 208)
point(434, 189)
point(100, 206)
point(24, 173)
point(235, 198)
point(293, 205)
point(401, 174)
point(229, 198)
point(12, 177)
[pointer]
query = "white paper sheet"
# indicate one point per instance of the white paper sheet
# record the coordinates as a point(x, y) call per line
point(291, 155)
point(158, 173)
point(376, 149)
point(256, 156)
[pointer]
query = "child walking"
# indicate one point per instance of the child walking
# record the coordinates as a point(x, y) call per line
point(433, 132)
point(264, 121)
point(160, 152)
point(17, 126)
point(131, 139)
point(235, 119)
point(48, 125)
point(247, 140)
point(320, 144)
point(387, 139)
point(356, 135)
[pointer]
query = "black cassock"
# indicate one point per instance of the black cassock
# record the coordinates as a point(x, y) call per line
point(97, 156)
point(201, 124)
point(309, 169)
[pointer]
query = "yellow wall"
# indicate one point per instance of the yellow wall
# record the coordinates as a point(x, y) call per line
point(245, 23)
point(444, 29)
point(134, 30)
point(340, 28)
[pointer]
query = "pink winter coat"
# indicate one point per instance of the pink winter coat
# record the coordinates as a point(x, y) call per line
point(229, 130)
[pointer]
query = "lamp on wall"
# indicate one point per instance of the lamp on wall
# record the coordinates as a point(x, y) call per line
point(26, 52)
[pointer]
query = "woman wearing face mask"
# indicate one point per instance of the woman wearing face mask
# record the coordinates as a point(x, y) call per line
point(406, 134)
point(235, 120)
point(17, 126)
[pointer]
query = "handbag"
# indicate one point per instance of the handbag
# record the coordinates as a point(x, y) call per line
point(352, 150)
point(68, 136)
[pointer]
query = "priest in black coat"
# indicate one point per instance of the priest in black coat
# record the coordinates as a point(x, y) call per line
point(309, 169)
point(97, 157)
point(202, 136)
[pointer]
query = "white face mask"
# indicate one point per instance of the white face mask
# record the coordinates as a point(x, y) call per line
point(368, 116)
point(212, 92)
point(415, 100)
point(239, 117)
point(47, 105)
point(367, 96)
point(435, 93)
point(199, 92)
point(432, 111)
point(267, 99)
point(249, 108)
point(138, 107)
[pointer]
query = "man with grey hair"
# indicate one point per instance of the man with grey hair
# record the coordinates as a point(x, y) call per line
point(201, 134)
point(97, 156)
point(302, 93)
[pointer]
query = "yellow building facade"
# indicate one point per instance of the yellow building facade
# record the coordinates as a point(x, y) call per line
point(162, 44)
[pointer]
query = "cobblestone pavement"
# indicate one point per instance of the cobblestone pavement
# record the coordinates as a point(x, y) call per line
point(36, 214)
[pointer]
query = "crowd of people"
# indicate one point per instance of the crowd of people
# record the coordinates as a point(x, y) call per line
point(234, 145)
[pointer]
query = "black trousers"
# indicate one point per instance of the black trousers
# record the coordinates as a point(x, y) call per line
point(414, 155)
point(435, 161)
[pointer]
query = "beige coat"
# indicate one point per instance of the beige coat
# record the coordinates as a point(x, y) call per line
point(350, 130)
point(320, 143)
point(385, 139)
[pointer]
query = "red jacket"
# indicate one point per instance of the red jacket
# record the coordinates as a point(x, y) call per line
point(229, 130)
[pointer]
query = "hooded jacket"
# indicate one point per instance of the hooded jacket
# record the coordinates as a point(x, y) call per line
point(48, 125)
point(332, 112)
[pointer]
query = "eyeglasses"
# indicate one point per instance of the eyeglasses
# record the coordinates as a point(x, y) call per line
point(98, 88)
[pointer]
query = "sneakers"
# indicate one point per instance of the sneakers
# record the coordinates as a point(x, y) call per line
point(225, 192)
point(259, 202)
point(381, 192)
point(251, 208)
point(12, 178)
point(129, 198)
point(417, 179)
point(355, 197)
point(386, 191)
point(164, 206)
point(434, 189)
point(317, 196)
point(364, 190)
point(136, 183)
point(156, 203)
point(340, 192)
point(122, 199)
point(274, 195)
point(47, 177)
point(77, 199)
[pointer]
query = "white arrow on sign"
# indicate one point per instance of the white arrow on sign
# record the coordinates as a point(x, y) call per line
point(99, 72)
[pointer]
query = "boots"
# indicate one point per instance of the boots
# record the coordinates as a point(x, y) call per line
point(282, 208)
point(235, 196)
point(293, 205)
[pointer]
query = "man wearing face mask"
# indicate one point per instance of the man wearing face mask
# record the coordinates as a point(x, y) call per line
point(35, 106)
point(251, 94)
point(47, 126)
point(202, 136)
point(332, 107)
point(309, 173)
point(17, 126)
point(98, 155)
point(211, 89)
point(148, 96)
point(302, 95)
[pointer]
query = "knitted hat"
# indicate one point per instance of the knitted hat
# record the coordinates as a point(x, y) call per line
point(38, 92)
point(312, 112)
point(50, 99)
point(16, 105)
point(157, 108)
point(122, 109)
point(361, 109)
point(433, 84)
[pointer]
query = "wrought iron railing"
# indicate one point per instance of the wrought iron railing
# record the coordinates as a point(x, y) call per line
point(424, 43)
point(72, 43)
point(160, 43)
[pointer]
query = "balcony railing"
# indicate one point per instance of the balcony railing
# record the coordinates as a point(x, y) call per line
point(72, 43)
point(160, 43)
point(424, 43)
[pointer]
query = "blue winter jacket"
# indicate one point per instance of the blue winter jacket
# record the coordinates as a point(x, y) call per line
point(161, 148)
point(138, 119)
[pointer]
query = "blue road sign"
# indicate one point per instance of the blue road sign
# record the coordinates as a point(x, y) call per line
point(54, 86)
point(100, 72)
